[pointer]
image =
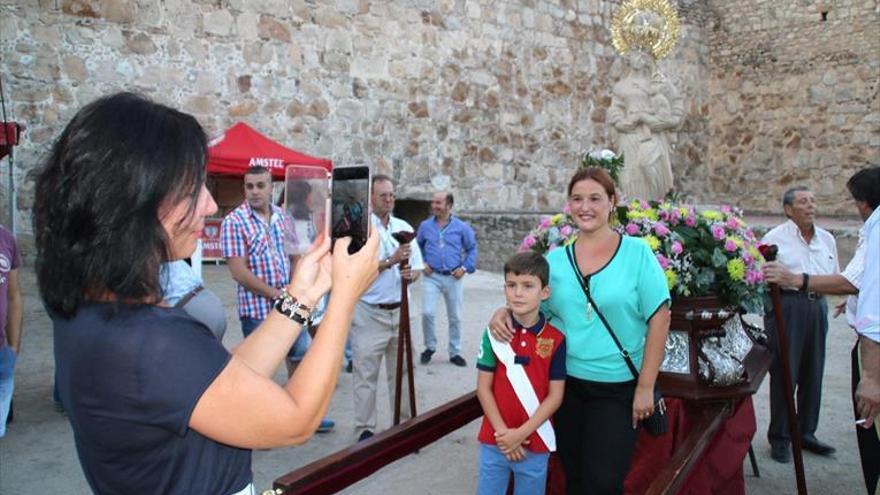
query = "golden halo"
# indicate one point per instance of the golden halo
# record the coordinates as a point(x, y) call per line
point(649, 25)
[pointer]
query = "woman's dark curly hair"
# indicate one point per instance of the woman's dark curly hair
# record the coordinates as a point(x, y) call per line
point(98, 196)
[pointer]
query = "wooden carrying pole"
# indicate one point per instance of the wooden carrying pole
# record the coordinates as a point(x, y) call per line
point(794, 428)
point(404, 339)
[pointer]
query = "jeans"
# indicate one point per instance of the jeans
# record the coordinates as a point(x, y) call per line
point(7, 384)
point(529, 475)
point(297, 350)
point(452, 290)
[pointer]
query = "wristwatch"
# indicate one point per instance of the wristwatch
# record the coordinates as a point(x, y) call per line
point(294, 310)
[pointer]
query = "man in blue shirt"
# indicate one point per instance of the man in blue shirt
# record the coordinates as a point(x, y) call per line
point(449, 250)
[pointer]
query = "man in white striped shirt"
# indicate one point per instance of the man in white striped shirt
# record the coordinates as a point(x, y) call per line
point(805, 248)
point(860, 277)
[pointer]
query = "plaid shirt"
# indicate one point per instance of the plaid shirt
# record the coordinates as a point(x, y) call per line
point(245, 234)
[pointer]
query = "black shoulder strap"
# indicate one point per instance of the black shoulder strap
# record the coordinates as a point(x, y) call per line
point(585, 286)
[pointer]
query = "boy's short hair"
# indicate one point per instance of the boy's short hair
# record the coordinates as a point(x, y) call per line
point(529, 263)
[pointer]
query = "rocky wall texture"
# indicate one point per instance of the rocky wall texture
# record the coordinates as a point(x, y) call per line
point(792, 100)
point(494, 100)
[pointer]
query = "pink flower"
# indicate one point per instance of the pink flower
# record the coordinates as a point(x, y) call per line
point(545, 223)
point(664, 263)
point(747, 257)
point(644, 204)
point(718, 232)
point(566, 230)
point(529, 241)
point(732, 223)
point(566, 209)
point(661, 229)
point(632, 229)
point(690, 221)
point(729, 246)
point(726, 209)
point(677, 248)
point(754, 277)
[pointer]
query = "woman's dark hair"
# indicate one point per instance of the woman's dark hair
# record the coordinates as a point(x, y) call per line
point(98, 196)
point(864, 185)
point(597, 174)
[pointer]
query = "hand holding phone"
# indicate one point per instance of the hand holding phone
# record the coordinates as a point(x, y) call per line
point(350, 205)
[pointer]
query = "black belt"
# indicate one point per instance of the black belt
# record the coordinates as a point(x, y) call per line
point(442, 272)
point(388, 306)
point(812, 296)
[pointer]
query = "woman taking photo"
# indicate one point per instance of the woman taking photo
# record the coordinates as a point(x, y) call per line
point(602, 274)
point(156, 403)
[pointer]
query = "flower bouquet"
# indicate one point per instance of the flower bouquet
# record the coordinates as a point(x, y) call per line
point(605, 158)
point(702, 252)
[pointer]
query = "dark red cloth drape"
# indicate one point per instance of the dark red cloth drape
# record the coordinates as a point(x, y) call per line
point(719, 471)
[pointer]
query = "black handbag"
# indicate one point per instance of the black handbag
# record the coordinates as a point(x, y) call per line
point(657, 424)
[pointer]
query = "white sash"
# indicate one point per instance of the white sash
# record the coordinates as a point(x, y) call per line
point(523, 389)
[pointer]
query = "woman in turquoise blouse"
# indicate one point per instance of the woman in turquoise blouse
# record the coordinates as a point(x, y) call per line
point(597, 424)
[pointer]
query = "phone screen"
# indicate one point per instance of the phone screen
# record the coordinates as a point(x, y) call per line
point(306, 206)
point(350, 205)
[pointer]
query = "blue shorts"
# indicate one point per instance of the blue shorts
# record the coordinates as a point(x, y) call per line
point(529, 475)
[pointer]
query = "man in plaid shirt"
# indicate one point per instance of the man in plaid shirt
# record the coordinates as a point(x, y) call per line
point(252, 237)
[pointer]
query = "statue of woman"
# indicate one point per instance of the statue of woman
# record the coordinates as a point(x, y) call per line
point(644, 108)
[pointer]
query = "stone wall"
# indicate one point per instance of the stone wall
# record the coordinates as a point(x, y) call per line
point(793, 100)
point(492, 99)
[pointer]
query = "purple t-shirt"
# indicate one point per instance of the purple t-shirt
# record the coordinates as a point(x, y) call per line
point(9, 260)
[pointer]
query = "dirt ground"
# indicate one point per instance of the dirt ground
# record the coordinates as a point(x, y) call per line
point(38, 455)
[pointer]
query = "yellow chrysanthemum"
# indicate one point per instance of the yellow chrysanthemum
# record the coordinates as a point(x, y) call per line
point(635, 215)
point(556, 219)
point(651, 213)
point(713, 215)
point(736, 240)
point(683, 211)
point(671, 278)
point(736, 268)
point(653, 242)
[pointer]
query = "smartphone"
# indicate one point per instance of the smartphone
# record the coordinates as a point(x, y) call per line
point(350, 205)
point(307, 206)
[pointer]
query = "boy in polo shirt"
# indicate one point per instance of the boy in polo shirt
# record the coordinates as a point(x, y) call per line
point(520, 385)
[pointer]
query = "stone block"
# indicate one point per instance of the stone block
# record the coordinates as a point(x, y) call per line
point(218, 22)
point(139, 43)
point(243, 109)
point(246, 25)
point(269, 28)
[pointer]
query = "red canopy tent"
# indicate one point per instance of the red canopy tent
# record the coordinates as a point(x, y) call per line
point(10, 133)
point(241, 147)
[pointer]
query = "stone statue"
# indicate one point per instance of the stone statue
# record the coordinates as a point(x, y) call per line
point(645, 107)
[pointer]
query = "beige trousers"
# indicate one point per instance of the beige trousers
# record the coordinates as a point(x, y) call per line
point(374, 337)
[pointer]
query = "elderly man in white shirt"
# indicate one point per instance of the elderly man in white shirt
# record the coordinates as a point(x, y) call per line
point(860, 277)
point(375, 326)
point(806, 248)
